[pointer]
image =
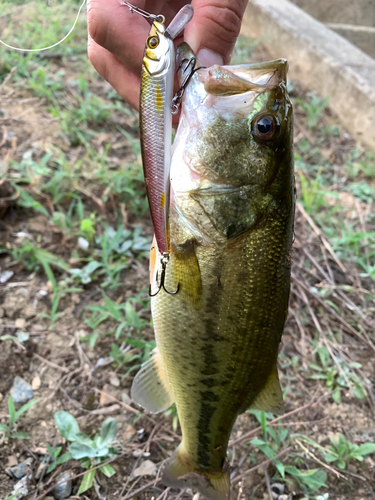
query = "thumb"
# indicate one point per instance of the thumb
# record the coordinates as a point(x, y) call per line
point(214, 29)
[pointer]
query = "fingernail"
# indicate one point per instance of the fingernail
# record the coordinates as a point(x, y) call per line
point(208, 57)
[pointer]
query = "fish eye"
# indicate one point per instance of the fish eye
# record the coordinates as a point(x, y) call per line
point(265, 127)
point(152, 42)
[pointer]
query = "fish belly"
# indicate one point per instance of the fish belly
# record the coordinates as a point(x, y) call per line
point(218, 337)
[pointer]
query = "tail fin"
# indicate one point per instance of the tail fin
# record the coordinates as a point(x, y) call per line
point(180, 473)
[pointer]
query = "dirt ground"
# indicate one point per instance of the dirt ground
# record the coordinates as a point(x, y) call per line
point(67, 375)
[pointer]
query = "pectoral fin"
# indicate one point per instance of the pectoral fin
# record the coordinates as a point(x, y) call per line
point(150, 387)
point(270, 397)
point(186, 271)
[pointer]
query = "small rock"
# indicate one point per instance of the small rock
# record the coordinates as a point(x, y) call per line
point(107, 395)
point(115, 381)
point(21, 489)
point(35, 384)
point(147, 468)
point(40, 450)
point(125, 398)
point(24, 292)
point(283, 497)
point(5, 276)
point(91, 355)
point(41, 470)
point(19, 471)
point(23, 337)
point(137, 453)
point(104, 361)
point(277, 490)
point(21, 391)
point(64, 489)
point(20, 323)
point(12, 461)
point(196, 496)
point(83, 244)
point(81, 333)
point(128, 433)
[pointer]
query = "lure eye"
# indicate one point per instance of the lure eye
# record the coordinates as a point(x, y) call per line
point(152, 42)
point(265, 127)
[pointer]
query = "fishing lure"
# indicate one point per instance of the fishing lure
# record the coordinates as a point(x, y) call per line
point(155, 116)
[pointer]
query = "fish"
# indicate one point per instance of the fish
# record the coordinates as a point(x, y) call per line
point(155, 116)
point(231, 226)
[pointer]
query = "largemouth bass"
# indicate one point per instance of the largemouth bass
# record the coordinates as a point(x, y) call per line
point(231, 216)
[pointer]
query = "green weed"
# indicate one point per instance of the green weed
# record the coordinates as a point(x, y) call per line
point(130, 321)
point(340, 451)
point(336, 374)
point(10, 429)
point(314, 107)
point(359, 162)
point(90, 452)
point(310, 480)
point(57, 459)
point(35, 258)
point(132, 358)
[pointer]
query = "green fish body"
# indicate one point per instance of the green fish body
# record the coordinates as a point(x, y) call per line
point(231, 230)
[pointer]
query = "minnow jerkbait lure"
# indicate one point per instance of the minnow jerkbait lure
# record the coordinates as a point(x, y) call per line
point(155, 117)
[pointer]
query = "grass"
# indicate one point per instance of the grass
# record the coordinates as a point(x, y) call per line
point(9, 429)
point(86, 184)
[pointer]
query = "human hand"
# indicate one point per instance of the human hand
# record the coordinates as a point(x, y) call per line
point(117, 37)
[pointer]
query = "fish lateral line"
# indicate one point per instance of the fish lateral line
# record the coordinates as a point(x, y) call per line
point(161, 285)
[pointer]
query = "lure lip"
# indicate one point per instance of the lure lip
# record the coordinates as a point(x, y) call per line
point(179, 22)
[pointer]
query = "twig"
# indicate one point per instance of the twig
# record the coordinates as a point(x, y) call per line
point(263, 464)
point(246, 436)
point(164, 494)
point(268, 482)
point(51, 364)
point(40, 497)
point(124, 405)
point(319, 233)
point(139, 490)
point(334, 313)
point(306, 450)
point(8, 77)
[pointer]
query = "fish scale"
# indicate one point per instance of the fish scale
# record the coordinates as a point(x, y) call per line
point(231, 232)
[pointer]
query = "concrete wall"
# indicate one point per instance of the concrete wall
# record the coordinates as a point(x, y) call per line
point(361, 36)
point(360, 12)
point(320, 59)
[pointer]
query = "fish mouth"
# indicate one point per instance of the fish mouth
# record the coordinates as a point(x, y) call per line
point(234, 79)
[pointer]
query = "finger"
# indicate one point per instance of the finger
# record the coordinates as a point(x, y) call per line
point(213, 31)
point(124, 81)
point(112, 26)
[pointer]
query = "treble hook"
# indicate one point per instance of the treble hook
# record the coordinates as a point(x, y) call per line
point(176, 101)
point(150, 17)
point(164, 261)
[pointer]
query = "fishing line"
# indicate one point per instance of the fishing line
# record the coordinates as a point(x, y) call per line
point(55, 44)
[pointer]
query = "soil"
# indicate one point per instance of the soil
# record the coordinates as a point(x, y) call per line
point(66, 374)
